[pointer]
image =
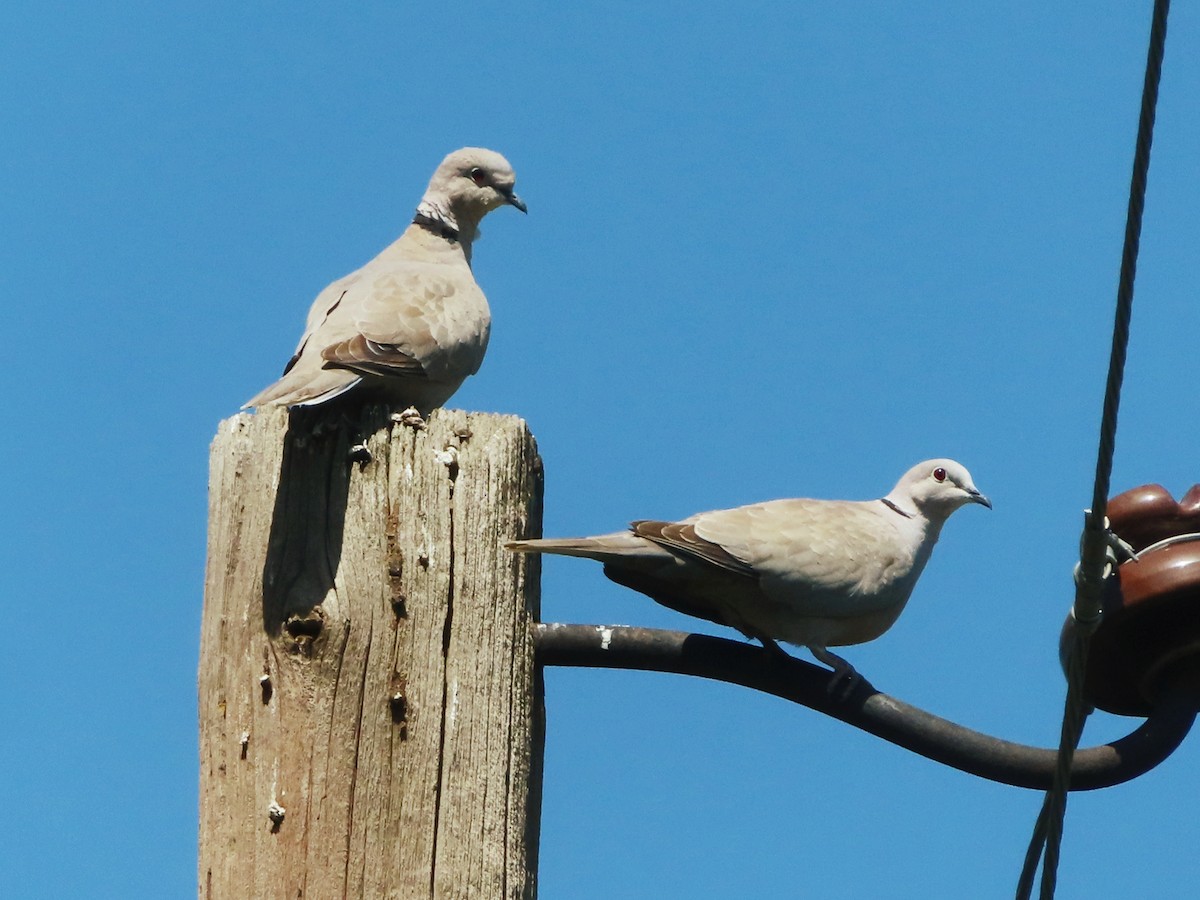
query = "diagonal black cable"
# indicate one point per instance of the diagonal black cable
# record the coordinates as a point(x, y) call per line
point(1047, 832)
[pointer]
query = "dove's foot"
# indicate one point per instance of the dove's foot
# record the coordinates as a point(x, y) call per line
point(845, 677)
point(410, 417)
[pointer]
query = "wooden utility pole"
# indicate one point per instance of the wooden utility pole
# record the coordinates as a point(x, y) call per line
point(371, 719)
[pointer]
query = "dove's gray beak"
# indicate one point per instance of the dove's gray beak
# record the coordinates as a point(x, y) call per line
point(512, 199)
point(977, 497)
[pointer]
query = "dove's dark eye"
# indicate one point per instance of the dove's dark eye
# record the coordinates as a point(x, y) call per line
point(478, 176)
point(939, 474)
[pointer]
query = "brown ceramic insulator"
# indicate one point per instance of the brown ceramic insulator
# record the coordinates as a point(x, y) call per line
point(1147, 514)
point(1153, 620)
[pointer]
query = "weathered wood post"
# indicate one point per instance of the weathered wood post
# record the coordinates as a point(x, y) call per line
point(370, 715)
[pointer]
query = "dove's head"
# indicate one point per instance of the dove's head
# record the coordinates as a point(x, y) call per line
point(468, 185)
point(936, 488)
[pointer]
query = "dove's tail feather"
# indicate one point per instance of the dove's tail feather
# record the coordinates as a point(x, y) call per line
point(294, 391)
point(603, 547)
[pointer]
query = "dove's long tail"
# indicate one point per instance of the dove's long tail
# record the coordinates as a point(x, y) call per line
point(604, 547)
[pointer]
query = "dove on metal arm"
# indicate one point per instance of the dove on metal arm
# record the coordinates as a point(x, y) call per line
point(408, 327)
point(816, 573)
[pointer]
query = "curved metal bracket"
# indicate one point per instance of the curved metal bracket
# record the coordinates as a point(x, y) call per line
point(625, 647)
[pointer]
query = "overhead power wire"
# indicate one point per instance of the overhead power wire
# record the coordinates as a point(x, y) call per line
point(1095, 549)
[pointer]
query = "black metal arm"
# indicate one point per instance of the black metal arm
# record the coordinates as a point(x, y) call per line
point(625, 647)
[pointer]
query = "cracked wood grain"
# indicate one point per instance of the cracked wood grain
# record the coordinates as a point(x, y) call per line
point(370, 714)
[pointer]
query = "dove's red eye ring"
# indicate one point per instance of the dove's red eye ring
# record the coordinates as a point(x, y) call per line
point(939, 474)
point(478, 176)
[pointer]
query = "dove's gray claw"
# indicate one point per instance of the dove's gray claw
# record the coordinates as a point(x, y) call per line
point(410, 417)
point(845, 677)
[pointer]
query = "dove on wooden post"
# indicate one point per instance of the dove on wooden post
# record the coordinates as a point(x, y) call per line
point(818, 573)
point(408, 327)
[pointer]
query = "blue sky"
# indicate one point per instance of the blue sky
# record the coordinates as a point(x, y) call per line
point(772, 250)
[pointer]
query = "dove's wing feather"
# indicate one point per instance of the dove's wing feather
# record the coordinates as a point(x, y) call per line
point(426, 318)
point(682, 538)
point(825, 558)
point(395, 317)
point(327, 302)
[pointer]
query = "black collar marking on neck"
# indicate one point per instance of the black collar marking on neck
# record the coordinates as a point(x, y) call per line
point(892, 506)
point(436, 226)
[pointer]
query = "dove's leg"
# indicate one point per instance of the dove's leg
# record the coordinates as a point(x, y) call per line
point(842, 670)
